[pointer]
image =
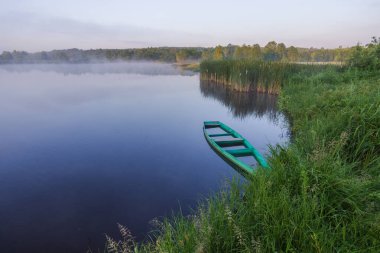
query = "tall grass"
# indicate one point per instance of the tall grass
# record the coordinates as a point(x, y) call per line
point(250, 75)
point(323, 192)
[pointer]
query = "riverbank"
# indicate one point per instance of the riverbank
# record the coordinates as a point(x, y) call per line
point(322, 194)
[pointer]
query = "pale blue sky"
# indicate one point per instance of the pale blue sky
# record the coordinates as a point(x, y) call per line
point(35, 25)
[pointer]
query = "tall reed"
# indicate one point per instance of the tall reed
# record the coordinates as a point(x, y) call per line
point(251, 75)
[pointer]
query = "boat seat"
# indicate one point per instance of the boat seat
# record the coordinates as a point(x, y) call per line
point(240, 152)
point(230, 143)
point(212, 124)
point(219, 135)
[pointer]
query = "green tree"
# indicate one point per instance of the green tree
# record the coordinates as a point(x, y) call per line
point(218, 53)
point(229, 51)
point(206, 54)
point(292, 54)
point(281, 50)
point(256, 52)
point(366, 57)
point(187, 54)
point(239, 53)
point(270, 52)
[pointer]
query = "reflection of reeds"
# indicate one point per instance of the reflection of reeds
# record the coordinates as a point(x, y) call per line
point(248, 75)
point(241, 104)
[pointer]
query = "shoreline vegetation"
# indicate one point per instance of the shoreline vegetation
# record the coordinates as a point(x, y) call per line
point(323, 192)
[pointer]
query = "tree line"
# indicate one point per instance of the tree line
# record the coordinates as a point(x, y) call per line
point(272, 51)
point(161, 54)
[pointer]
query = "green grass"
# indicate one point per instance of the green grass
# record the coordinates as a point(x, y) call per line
point(323, 192)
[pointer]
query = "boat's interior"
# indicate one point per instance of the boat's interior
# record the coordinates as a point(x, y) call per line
point(228, 142)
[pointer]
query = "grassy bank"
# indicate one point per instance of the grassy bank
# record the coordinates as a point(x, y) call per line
point(251, 75)
point(323, 192)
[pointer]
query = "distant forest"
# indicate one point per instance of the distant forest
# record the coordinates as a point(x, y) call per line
point(162, 54)
point(271, 52)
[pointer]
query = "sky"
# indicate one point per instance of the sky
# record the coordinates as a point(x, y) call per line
point(36, 25)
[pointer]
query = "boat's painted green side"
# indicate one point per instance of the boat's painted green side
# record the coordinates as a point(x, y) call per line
point(231, 155)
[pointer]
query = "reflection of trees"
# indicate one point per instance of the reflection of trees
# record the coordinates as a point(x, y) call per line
point(242, 104)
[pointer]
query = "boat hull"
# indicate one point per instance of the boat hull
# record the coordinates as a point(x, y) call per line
point(231, 156)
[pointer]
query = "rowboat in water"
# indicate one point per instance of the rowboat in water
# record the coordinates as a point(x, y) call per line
point(232, 139)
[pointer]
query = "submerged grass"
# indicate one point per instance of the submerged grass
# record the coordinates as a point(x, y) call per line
point(253, 75)
point(323, 192)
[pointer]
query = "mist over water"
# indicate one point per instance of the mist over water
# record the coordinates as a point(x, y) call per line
point(84, 147)
point(120, 67)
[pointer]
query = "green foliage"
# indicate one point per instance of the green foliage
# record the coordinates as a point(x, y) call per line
point(188, 54)
point(248, 52)
point(292, 54)
point(272, 51)
point(368, 57)
point(218, 53)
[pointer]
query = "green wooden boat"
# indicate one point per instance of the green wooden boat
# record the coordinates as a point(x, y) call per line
point(232, 139)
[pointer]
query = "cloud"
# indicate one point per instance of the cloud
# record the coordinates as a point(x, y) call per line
point(308, 25)
point(27, 31)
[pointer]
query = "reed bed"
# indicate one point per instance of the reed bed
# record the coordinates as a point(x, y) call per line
point(250, 75)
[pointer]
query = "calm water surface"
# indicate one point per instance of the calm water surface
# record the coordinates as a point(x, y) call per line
point(83, 147)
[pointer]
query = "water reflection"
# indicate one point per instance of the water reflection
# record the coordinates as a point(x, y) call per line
point(143, 68)
point(241, 104)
